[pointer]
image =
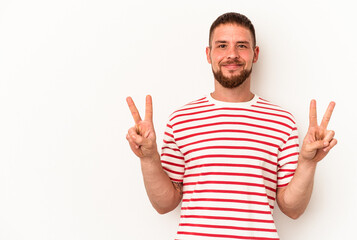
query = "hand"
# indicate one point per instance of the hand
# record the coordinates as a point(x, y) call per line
point(141, 137)
point(318, 140)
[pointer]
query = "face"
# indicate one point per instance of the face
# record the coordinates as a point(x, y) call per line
point(231, 54)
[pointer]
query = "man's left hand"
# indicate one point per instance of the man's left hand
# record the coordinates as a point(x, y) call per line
point(318, 140)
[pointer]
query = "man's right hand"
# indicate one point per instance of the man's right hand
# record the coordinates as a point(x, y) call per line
point(141, 137)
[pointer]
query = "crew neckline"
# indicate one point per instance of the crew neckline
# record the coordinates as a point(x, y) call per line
point(233, 104)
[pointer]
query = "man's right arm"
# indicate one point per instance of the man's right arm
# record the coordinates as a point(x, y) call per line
point(164, 195)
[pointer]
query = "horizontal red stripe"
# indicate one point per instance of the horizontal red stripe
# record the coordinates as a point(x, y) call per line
point(223, 200)
point(173, 149)
point(289, 155)
point(226, 209)
point(282, 185)
point(172, 171)
point(230, 182)
point(231, 123)
point(229, 174)
point(267, 103)
point(230, 139)
point(230, 131)
point(176, 180)
point(168, 142)
point(273, 109)
point(227, 115)
point(224, 236)
point(184, 109)
point(229, 191)
point(173, 164)
point(227, 227)
point(231, 147)
point(234, 109)
point(201, 100)
point(293, 137)
point(287, 170)
point(294, 162)
point(231, 156)
point(171, 155)
point(288, 147)
point(286, 176)
point(228, 218)
point(231, 165)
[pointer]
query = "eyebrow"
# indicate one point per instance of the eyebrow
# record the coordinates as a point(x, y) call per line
point(223, 41)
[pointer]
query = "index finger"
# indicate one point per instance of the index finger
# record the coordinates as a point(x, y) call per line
point(327, 116)
point(134, 111)
point(148, 108)
point(313, 114)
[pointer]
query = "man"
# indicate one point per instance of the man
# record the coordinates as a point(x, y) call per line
point(230, 155)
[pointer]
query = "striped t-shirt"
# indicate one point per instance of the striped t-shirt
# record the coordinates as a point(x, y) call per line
point(231, 158)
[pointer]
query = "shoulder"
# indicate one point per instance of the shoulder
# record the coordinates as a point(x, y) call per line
point(199, 104)
point(265, 106)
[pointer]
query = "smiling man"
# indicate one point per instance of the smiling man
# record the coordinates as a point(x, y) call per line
point(229, 155)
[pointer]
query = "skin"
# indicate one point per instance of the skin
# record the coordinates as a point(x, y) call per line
point(230, 42)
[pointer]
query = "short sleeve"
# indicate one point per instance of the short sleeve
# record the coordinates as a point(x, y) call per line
point(288, 158)
point(172, 159)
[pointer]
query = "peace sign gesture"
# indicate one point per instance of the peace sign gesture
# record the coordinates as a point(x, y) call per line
point(141, 137)
point(318, 140)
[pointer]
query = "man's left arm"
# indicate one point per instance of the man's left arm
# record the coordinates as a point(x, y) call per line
point(294, 198)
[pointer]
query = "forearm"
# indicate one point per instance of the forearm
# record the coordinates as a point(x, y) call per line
point(162, 194)
point(294, 198)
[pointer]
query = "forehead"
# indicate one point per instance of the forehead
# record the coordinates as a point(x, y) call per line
point(231, 32)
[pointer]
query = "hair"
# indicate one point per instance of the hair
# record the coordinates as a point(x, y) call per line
point(233, 18)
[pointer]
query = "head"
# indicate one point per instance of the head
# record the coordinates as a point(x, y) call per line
point(232, 49)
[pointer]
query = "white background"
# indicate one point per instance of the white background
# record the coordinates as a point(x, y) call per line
point(66, 67)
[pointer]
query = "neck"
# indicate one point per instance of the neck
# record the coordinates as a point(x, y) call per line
point(241, 93)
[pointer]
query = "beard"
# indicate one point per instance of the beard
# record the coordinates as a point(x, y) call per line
point(233, 81)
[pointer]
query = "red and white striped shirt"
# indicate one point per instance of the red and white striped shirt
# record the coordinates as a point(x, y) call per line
point(231, 158)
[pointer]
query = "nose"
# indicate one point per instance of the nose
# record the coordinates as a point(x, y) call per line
point(233, 53)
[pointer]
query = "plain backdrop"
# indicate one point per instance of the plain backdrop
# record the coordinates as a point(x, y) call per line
point(66, 67)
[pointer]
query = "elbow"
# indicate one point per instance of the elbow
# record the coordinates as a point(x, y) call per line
point(162, 210)
point(294, 215)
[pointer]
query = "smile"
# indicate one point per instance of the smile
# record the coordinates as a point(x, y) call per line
point(232, 66)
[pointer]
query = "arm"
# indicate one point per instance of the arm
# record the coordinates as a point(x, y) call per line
point(294, 198)
point(164, 195)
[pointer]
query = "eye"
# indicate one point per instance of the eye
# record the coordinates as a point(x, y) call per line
point(242, 46)
point(222, 46)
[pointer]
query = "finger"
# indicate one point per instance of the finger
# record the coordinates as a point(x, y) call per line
point(315, 146)
point(327, 115)
point(136, 138)
point(332, 144)
point(132, 144)
point(328, 138)
point(148, 108)
point(134, 111)
point(313, 114)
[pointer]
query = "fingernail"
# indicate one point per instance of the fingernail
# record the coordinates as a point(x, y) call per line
point(326, 144)
point(133, 136)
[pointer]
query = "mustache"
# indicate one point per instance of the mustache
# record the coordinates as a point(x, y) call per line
point(231, 62)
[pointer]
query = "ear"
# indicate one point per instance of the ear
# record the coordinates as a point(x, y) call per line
point(208, 54)
point(256, 54)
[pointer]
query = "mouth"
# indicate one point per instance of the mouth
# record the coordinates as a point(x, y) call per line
point(232, 66)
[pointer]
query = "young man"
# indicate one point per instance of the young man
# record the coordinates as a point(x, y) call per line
point(229, 155)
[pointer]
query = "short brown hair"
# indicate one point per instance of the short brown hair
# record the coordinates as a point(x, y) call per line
point(233, 18)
